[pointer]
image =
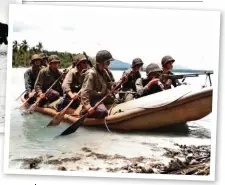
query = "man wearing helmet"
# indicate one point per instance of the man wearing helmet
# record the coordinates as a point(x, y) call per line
point(167, 65)
point(151, 84)
point(74, 80)
point(94, 87)
point(44, 61)
point(108, 75)
point(46, 78)
point(30, 77)
point(134, 74)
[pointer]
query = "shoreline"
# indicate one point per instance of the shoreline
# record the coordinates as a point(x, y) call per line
point(185, 160)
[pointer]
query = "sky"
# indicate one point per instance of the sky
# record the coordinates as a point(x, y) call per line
point(190, 37)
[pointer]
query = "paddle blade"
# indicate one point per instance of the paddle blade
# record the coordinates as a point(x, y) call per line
point(71, 129)
point(56, 120)
point(59, 117)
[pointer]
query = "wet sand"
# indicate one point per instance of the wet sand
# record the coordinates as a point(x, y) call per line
point(184, 160)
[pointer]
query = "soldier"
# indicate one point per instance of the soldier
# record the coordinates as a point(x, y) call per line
point(44, 61)
point(167, 65)
point(108, 75)
point(129, 85)
point(152, 83)
point(46, 78)
point(94, 87)
point(30, 77)
point(73, 81)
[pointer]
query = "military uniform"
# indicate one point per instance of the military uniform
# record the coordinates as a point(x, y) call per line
point(107, 74)
point(94, 87)
point(129, 85)
point(30, 77)
point(141, 84)
point(73, 83)
point(175, 82)
point(45, 79)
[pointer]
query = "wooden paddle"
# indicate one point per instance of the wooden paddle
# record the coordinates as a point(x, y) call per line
point(39, 99)
point(22, 106)
point(71, 129)
point(20, 95)
point(59, 117)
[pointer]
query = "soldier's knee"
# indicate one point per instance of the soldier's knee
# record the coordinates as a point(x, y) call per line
point(129, 97)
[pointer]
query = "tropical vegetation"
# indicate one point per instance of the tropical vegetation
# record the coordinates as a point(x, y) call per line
point(22, 53)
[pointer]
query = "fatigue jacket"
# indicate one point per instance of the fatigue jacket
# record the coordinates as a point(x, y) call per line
point(130, 84)
point(142, 90)
point(46, 78)
point(93, 87)
point(30, 77)
point(107, 74)
point(73, 80)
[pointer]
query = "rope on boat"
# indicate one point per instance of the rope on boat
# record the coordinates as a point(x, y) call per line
point(106, 125)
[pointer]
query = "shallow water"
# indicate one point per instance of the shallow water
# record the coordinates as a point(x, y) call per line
point(30, 138)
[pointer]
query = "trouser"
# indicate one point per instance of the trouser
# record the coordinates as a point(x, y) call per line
point(66, 100)
point(127, 96)
point(100, 112)
point(31, 100)
point(51, 96)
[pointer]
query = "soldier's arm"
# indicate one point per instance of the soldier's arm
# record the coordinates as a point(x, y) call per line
point(66, 86)
point(28, 81)
point(87, 89)
point(141, 90)
point(38, 82)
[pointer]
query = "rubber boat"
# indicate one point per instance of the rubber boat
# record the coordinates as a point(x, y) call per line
point(175, 106)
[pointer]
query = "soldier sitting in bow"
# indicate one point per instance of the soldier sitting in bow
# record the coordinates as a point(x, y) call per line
point(167, 65)
point(151, 84)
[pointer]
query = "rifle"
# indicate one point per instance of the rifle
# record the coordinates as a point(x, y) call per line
point(84, 53)
point(183, 76)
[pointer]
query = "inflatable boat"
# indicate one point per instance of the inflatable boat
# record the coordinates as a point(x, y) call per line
point(177, 105)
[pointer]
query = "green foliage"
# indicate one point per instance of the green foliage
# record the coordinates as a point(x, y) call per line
point(22, 54)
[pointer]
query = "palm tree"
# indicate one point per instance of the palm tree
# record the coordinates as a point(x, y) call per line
point(15, 46)
point(24, 46)
point(24, 52)
point(39, 46)
point(33, 50)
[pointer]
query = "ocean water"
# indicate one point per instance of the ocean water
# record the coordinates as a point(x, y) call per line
point(30, 138)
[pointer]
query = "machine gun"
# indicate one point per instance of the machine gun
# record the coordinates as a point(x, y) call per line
point(184, 76)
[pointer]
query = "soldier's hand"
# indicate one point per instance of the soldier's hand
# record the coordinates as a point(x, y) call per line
point(153, 82)
point(91, 111)
point(169, 82)
point(42, 95)
point(125, 79)
point(74, 96)
point(31, 94)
